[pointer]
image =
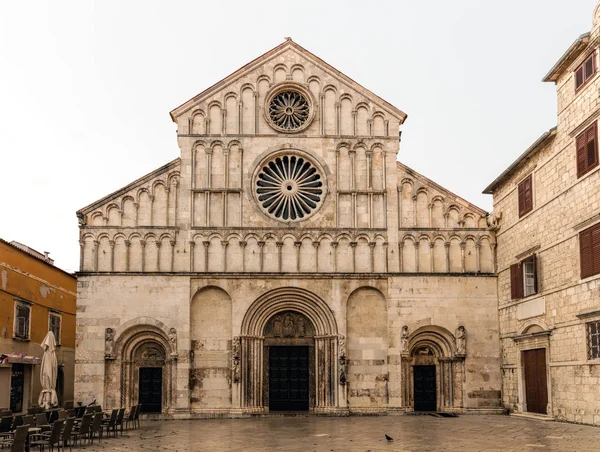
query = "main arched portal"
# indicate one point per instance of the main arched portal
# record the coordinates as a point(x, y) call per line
point(288, 353)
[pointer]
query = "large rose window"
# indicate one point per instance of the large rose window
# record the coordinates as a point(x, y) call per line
point(289, 188)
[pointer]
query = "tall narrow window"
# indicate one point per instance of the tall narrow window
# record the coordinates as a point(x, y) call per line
point(593, 336)
point(22, 311)
point(585, 71)
point(587, 150)
point(523, 278)
point(525, 196)
point(54, 325)
point(589, 251)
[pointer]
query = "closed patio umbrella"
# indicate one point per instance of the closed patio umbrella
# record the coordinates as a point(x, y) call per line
point(48, 373)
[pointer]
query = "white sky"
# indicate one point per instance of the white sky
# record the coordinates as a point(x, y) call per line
point(86, 87)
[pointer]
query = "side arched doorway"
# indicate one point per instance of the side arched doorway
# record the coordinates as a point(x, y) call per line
point(141, 371)
point(432, 371)
point(288, 354)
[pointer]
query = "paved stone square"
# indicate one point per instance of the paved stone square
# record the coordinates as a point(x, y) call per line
point(311, 433)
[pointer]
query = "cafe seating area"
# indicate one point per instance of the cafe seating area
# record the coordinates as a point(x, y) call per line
point(57, 429)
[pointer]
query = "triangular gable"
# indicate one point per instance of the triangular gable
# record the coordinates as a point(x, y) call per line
point(447, 193)
point(287, 44)
point(135, 184)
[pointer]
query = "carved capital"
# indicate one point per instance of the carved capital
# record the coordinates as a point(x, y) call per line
point(143, 242)
point(243, 244)
point(431, 245)
point(96, 243)
point(297, 244)
point(278, 244)
point(353, 244)
point(334, 244)
point(192, 243)
point(111, 243)
point(316, 244)
point(372, 244)
point(224, 243)
point(462, 245)
point(206, 243)
point(260, 243)
point(127, 243)
point(447, 244)
point(173, 242)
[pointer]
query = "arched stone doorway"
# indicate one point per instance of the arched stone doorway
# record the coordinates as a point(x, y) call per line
point(432, 371)
point(142, 370)
point(299, 321)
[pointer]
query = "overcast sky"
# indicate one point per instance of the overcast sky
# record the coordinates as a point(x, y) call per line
point(86, 87)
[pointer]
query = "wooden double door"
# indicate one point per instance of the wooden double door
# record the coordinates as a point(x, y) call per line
point(536, 383)
point(288, 378)
point(150, 389)
point(425, 388)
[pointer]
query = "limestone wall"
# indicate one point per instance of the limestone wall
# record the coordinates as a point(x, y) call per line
point(563, 205)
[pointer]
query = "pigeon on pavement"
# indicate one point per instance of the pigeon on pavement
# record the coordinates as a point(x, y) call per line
point(389, 438)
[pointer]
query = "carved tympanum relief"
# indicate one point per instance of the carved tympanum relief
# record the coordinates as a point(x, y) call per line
point(289, 324)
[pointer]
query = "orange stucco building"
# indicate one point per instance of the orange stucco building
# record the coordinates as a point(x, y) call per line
point(35, 297)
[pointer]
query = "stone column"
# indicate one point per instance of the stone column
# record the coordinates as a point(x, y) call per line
point(127, 254)
point(143, 245)
point(206, 244)
point(192, 256)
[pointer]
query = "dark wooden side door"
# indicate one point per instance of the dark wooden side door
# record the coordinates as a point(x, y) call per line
point(288, 378)
point(425, 388)
point(536, 385)
point(150, 389)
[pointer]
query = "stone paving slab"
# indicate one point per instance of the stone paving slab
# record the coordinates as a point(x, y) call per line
point(311, 433)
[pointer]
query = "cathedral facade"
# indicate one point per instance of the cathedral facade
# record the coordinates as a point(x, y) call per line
point(287, 261)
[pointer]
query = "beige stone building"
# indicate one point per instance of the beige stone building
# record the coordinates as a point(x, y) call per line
point(547, 215)
point(287, 261)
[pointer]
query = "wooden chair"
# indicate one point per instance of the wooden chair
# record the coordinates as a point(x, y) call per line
point(111, 423)
point(96, 428)
point(119, 423)
point(41, 421)
point(66, 435)
point(50, 439)
point(6, 423)
point(17, 440)
point(130, 419)
point(137, 414)
point(28, 419)
point(83, 431)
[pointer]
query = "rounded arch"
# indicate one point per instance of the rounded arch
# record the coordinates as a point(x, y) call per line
point(294, 299)
point(436, 337)
point(534, 326)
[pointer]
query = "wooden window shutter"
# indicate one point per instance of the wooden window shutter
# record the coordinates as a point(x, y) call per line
point(589, 66)
point(525, 194)
point(591, 146)
point(579, 78)
point(595, 239)
point(585, 253)
point(516, 281)
point(521, 195)
point(581, 157)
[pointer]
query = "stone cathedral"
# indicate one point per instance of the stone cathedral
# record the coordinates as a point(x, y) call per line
point(287, 261)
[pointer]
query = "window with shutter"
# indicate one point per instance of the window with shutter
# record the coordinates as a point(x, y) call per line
point(524, 278)
point(54, 326)
point(525, 194)
point(589, 251)
point(516, 281)
point(587, 149)
point(22, 321)
point(593, 332)
point(585, 71)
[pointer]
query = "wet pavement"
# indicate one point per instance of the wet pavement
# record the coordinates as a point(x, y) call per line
point(311, 433)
